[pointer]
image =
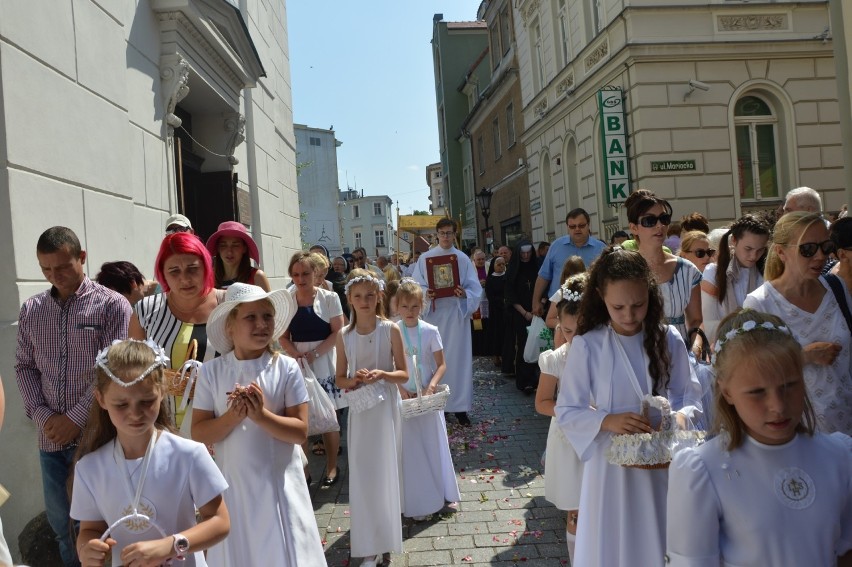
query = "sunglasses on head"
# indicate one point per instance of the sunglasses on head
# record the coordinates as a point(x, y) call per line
point(808, 249)
point(701, 252)
point(650, 221)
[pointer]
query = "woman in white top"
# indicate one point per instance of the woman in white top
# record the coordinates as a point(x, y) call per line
point(310, 338)
point(737, 272)
point(795, 292)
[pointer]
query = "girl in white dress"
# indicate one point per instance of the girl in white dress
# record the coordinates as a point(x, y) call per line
point(563, 470)
point(370, 363)
point(251, 403)
point(427, 466)
point(738, 270)
point(767, 490)
point(795, 291)
point(136, 484)
point(622, 353)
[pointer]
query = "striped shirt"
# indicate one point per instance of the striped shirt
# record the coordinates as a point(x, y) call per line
point(162, 327)
point(57, 346)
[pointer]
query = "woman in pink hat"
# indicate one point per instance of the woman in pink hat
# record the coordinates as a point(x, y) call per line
point(233, 250)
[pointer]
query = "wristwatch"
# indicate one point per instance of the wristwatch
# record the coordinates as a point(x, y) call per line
point(181, 545)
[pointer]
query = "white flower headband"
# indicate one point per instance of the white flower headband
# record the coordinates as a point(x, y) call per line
point(747, 327)
point(364, 279)
point(570, 295)
point(408, 280)
point(160, 359)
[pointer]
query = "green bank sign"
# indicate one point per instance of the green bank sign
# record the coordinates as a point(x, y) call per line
point(673, 165)
point(614, 136)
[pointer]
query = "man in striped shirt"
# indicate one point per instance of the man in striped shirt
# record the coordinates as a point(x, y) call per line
point(60, 332)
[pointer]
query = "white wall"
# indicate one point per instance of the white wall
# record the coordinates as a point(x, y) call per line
point(82, 144)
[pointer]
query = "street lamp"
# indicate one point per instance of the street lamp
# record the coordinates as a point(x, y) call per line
point(484, 199)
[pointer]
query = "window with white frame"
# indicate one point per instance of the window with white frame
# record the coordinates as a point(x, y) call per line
point(315, 141)
point(538, 57)
point(510, 124)
point(598, 16)
point(357, 236)
point(756, 133)
point(440, 195)
point(495, 135)
point(564, 33)
point(494, 41)
point(377, 209)
point(380, 238)
point(505, 29)
point(356, 212)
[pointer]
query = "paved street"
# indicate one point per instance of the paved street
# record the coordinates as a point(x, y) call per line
point(503, 518)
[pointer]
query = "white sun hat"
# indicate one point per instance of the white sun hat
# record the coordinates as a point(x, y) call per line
point(282, 300)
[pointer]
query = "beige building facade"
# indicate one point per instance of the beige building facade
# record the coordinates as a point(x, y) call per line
point(493, 128)
point(726, 106)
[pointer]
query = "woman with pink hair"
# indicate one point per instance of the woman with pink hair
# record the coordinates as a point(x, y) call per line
point(178, 316)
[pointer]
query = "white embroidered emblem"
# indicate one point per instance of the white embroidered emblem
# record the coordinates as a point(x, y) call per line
point(139, 525)
point(794, 488)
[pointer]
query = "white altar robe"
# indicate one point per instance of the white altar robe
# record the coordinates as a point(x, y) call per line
point(452, 317)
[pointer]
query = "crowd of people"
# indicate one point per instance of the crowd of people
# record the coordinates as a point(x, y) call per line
point(178, 409)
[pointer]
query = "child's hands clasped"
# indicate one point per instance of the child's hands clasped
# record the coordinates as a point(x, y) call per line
point(627, 422)
point(250, 404)
point(95, 551)
point(365, 376)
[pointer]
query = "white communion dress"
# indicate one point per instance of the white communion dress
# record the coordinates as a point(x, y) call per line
point(272, 519)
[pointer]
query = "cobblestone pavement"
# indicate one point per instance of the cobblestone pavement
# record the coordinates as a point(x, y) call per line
point(502, 519)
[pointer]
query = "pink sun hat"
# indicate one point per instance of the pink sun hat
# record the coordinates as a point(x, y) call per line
point(233, 229)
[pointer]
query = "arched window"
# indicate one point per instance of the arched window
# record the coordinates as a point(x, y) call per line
point(570, 174)
point(756, 132)
point(547, 203)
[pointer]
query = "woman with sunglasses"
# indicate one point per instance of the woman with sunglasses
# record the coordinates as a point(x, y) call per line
point(737, 272)
point(795, 292)
point(695, 247)
point(649, 217)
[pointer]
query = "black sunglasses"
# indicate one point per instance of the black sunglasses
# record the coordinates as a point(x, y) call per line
point(701, 252)
point(650, 221)
point(808, 249)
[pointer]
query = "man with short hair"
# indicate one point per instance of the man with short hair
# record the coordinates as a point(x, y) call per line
point(578, 242)
point(452, 316)
point(359, 258)
point(803, 199)
point(178, 223)
point(60, 332)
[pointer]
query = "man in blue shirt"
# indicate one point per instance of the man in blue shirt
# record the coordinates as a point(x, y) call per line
point(578, 242)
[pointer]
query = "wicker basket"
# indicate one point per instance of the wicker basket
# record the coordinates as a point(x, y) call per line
point(421, 405)
point(177, 380)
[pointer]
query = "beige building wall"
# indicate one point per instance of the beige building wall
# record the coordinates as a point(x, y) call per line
point(781, 53)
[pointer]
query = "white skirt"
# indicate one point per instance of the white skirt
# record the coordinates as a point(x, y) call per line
point(563, 470)
point(427, 466)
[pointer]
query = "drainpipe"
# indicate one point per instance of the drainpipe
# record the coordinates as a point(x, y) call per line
point(251, 157)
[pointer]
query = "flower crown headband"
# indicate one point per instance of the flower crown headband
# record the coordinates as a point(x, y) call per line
point(160, 359)
point(747, 327)
point(571, 295)
point(364, 279)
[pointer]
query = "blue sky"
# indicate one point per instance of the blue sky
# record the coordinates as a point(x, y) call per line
point(366, 69)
